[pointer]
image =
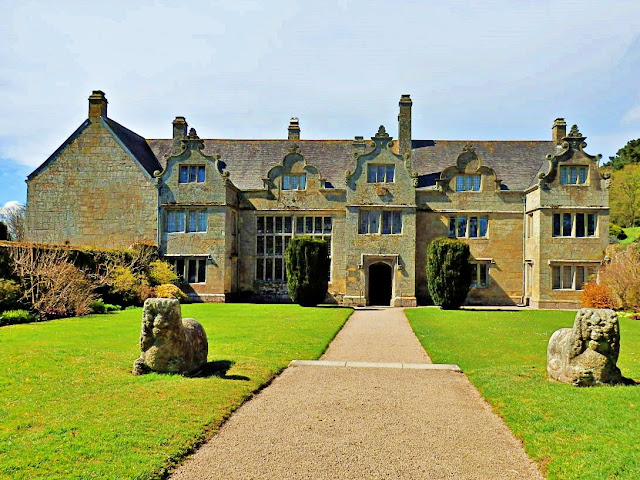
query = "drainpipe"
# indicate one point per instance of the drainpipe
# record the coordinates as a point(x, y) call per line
point(524, 240)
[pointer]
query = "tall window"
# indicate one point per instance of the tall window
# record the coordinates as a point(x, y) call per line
point(192, 270)
point(468, 227)
point(465, 183)
point(385, 222)
point(274, 232)
point(186, 220)
point(191, 174)
point(294, 182)
point(479, 275)
point(380, 173)
point(570, 277)
point(573, 175)
point(574, 224)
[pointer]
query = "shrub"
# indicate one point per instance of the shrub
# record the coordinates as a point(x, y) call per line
point(307, 264)
point(99, 306)
point(14, 317)
point(595, 295)
point(9, 294)
point(128, 287)
point(448, 272)
point(169, 290)
point(621, 275)
point(160, 273)
point(616, 231)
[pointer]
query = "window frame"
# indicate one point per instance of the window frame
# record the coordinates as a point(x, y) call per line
point(199, 173)
point(478, 270)
point(390, 220)
point(468, 182)
point(184, 263)
point(581, 175)
point(184, 217)
point(576, 279)
point(479, 223)
point(380, 173)
point(288, 179)
point(563, 222)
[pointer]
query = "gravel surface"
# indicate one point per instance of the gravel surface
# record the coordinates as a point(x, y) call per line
point(322, 422)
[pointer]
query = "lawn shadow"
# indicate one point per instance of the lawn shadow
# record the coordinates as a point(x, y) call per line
point(219, 368)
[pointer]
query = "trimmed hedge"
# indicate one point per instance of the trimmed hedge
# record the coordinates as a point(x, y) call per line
point(307, 264)
point(448, 272)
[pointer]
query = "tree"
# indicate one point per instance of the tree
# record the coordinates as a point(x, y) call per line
point(629, 154)
point(307, 264)
point(448, 272)
point(625, 196)
point(13, 214)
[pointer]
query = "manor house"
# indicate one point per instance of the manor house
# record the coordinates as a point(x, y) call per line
point(534, 213)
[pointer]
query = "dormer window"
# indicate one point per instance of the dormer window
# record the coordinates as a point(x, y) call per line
point(294, 182)
point(191, 174)
point(467, 183)
point(381, 173)
point(575, 175)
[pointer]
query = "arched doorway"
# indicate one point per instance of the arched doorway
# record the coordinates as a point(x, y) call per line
point(379, 284)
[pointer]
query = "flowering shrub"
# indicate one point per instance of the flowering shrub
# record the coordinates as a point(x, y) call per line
point(595, 295)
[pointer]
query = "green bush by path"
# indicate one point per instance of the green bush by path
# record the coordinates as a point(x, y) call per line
point(70, 408)
point(448, 272)
point(573, 433)
point(307, 264)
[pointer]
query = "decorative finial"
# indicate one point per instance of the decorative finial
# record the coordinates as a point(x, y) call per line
point(574, 132)
point(468, 148)
point(192, 134)
point(382, 133)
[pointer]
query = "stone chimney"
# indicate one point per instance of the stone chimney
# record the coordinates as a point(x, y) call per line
point(558, 131)
point(97, 105)
point(294, 129)
point(179, 132)
point(404, 125)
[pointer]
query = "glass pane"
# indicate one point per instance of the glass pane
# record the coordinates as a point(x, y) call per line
point(580, 279)
point(192, 224)
point(201, 174)
point(171, 221)
point(286, 242)
point(555, 273)
point(184, 174)
point(269, 224)
point(484, 225)
point(268, 246)
point(260, 269)
point(364, 222)
point(328, 239)
point(579, 224)
point(278, 248)
point(286, 184)
point(318, 225)
point(473, 226)
point(192, 173)
point(278, 224)
point(181, 219)
point(556, 224)
point(374, 222)
point(303, 182)
point(371, 174)
point(390, 173)
point(202, 269)
point(260, 246)
point(386, 222)
point(308, 225)
point(287, 224)
point(467, 182)
point(268, 269)
point(191, 274)
point(566, 224)
point(474, 275)
point(180, 267)
point(591, 224)
point(203, 220)
point(300, 225)
point(459, 183)
point(567, 280)
point(563, 175)
point(294, 182)
point(397, 222)
point(583, 174)
point(452, 226)
point(260, 224)
point(327, 224)
point(278, 275)
point(462, 226)
point(476, 183)
point(573, 175)
point(483, 275)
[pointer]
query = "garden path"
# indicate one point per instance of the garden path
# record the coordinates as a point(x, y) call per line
point(400, 418)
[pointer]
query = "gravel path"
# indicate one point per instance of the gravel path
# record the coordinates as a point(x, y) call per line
point(343, 423)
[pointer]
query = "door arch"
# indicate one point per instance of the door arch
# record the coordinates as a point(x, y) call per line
point(380, 284)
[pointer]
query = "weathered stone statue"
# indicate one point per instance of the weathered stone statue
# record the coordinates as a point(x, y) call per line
point(587, 353)
point(169, 343)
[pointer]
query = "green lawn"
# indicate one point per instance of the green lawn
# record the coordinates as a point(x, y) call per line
point(574, 433)
point(632, 235)
point(69, 407)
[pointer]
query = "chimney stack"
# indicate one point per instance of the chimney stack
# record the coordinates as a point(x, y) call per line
point(558, 131)
point(404, 125)
point(97, 105)
point(294, 129)
point(179, 132)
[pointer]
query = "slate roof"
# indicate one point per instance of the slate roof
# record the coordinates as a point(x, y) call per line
point(248, 161)
point(137, 145)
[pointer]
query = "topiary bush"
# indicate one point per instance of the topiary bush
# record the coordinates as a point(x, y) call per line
point(307, 264)
point(448, 272)
point(169, 290)
point(14, 317)
point(616, 231)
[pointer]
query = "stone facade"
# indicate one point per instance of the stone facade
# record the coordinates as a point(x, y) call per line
point(535, 213)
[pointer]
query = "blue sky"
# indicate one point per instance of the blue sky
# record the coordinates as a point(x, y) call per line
point(494, 70)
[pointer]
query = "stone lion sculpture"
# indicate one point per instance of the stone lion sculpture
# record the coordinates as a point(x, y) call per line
point(587, 353)
point(169, 343)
